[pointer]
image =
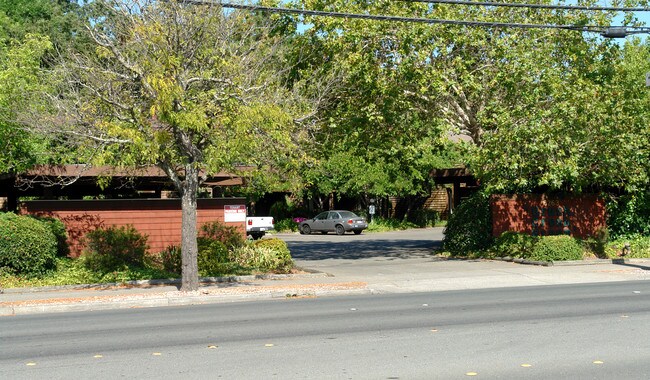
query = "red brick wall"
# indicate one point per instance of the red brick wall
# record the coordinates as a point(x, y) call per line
point(159, 219)
point(538, 214)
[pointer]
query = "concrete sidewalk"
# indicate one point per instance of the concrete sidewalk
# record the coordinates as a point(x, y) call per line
point(329, 277)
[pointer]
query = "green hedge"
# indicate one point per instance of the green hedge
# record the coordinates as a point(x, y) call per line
point(537, 248)
point(514, 244)
point(557, 248)
point(27, 245)
point(58, 229)
point(469, 228)
point(114, 248)
point(213, 258)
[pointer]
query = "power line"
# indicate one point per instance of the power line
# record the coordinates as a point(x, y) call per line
point(619, 31)
point(533, 6)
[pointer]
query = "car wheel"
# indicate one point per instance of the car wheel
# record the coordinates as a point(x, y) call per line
point(339, 229)
point(357, 232)
point(306, 230)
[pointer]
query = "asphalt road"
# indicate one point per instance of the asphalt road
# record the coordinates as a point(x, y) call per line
point(415, 243)
point(588, 331)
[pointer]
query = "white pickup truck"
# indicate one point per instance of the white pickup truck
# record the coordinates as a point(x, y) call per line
point(256, 226)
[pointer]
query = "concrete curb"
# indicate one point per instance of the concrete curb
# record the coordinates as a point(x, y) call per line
point(181, 298)
point(574, 262)
point(164, 282)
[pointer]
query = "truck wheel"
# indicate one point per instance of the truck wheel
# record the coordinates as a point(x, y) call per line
point(339, 229)
point(306, 230)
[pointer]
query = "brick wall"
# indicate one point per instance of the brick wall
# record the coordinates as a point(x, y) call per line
point(159, 219)
point(538, 214)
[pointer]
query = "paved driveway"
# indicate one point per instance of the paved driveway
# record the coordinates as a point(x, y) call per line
point(405, 261)
point(383, 245)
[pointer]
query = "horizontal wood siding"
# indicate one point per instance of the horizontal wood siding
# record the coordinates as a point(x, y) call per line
point(158, 219)
point(538, 214)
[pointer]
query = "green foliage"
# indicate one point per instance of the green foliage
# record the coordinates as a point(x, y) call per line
point(265, 255)
point(171, 259)
point(557, 248)
point(514, 244)
point(71, 271)
point(639, 247)
point(424, 217)
point(58, 229)
point(597, 244)
point(213, 257)
point(278, 256)
point(469, 228)
point(114, 248)
point(379, 224)
point(230, 236)
point(286, 225)
point(27, 246)
point(629, 215)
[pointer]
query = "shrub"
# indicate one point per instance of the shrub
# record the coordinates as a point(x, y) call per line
point(114, 248)
point(265, 255)
point(171, 259)
point(424, 218)
point(514, 244)
point(597, 244)
point(556, 248)
point(27, 245)
point(469, 228)
point(286, 225)
point(629, 215)
point(228, 235)
point(58, 229)
point(213, 257)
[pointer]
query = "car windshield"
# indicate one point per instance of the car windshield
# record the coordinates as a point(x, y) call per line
point(347, 215)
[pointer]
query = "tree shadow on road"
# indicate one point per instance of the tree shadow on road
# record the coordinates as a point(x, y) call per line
point(362, 249)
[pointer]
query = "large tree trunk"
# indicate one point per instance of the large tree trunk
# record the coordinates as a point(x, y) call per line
point(189, 246)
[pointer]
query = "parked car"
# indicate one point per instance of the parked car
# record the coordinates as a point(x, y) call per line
point(256, 226)
point(339, 221)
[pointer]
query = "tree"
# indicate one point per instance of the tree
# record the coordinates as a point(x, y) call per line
point(19, 74)
point(191, 89)
point(377, 137)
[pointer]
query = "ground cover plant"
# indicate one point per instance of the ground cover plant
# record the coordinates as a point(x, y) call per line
point(119, 254)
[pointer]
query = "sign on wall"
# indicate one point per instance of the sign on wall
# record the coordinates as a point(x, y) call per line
point(234, 213)
point(539, 215)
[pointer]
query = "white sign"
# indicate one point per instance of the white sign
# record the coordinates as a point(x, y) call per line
point(371, 210)
point(234, 213)
point(647, 79)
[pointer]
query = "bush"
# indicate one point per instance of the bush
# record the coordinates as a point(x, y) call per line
point(285, 225)
point(629, 215)
point(114, 248)
point(213, 258)
point(266, 255)
point(171, 259)
point(27, 245)
point(58, 229)
point(469, 228)
point(230, 236)
point(424, 218)
point(556, 248)
point(514, 244)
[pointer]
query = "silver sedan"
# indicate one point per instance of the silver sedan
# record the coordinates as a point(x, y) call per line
point(339, 221)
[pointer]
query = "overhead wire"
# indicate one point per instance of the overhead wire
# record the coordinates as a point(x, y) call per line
point(534, 6)
point(306, 12)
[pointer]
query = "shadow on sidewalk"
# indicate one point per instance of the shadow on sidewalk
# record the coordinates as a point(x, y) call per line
point(623, 263)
